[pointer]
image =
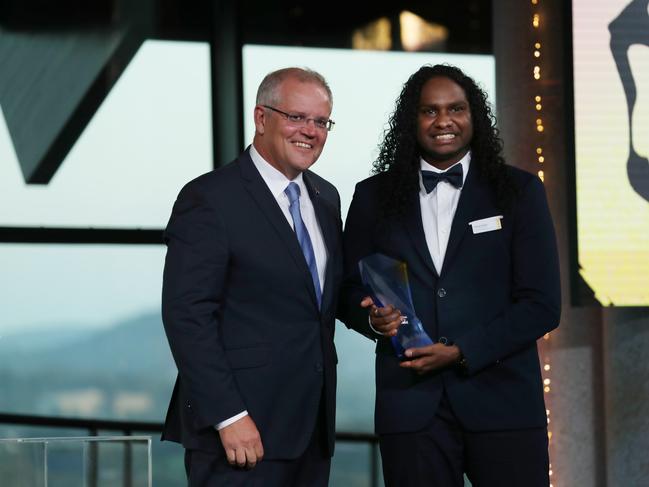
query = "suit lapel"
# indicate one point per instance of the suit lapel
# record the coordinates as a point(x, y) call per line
point(473, 193)
point(415, 229)
point(268, 206)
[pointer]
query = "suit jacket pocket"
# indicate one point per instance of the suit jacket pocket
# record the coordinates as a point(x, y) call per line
point(248, 357)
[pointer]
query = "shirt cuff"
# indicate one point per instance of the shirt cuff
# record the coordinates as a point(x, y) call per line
point(369, 321)
point(231, 420)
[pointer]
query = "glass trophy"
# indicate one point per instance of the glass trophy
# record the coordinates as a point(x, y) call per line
point(387, 281)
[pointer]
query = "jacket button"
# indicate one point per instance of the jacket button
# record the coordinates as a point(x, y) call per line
point(318, 367)
point(441, 292)
point(443, 340)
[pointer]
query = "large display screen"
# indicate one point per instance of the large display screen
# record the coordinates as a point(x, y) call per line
point(151, 135)
point(611, 95)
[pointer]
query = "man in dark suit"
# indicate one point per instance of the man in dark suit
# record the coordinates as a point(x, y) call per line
point(482, 262)
point(249, 297)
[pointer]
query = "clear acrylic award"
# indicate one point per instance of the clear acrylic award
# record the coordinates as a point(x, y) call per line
point(387, 281)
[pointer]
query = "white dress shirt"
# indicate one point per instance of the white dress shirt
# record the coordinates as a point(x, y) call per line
point(277, 183)
point(438, 209)
point(437, 212)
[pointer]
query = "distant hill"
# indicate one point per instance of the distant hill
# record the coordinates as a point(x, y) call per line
point(137, 345)
point(43, 337)
point(133, 355)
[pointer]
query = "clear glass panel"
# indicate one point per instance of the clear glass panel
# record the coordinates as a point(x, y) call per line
point(109, 464)
point(72, 462)
point(168, 464)
point(168, 458)
point(64, 463)
point(22, 464)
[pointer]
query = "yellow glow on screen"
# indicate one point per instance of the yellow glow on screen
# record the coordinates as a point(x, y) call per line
point(611, 150)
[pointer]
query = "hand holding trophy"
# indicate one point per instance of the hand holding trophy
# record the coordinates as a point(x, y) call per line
point(387, 281)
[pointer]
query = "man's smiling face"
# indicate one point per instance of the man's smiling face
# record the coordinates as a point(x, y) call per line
point(287, 146)
point(444, 124)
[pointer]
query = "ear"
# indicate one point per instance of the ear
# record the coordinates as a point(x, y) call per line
point(260, 119)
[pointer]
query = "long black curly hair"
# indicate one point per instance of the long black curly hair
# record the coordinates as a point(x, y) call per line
point(399, 152)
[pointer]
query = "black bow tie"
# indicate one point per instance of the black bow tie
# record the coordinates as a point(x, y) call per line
point(452, 176)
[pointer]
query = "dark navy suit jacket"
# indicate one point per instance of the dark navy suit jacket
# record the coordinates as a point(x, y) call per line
point(241, 316)
point(496, 294)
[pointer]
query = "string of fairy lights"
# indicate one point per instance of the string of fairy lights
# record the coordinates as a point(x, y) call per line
point(539, 162)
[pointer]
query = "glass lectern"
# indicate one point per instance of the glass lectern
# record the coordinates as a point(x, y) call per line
point(93, 461)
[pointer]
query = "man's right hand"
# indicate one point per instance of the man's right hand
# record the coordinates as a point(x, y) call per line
point(242, 443)
point(384, 320)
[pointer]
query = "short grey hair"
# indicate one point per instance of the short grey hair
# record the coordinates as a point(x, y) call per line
point(268, 93)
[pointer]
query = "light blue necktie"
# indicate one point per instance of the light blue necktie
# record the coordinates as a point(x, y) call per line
point(293, 193)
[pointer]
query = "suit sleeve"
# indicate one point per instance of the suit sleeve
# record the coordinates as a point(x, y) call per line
point(357, 243)
point(535, 293)
point(194, 283)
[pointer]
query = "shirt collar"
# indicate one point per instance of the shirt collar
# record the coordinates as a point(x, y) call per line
point(424, 166)
point(274, 179)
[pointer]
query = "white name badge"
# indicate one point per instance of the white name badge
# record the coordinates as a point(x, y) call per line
point(486, 224)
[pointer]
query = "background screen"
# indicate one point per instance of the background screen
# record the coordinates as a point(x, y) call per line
point(611, 83)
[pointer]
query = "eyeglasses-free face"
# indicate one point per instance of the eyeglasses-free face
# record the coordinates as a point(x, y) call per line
point(444, 123)
point(300, 120)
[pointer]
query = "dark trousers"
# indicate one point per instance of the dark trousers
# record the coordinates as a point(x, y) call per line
point(439, 455)
point(311, 469)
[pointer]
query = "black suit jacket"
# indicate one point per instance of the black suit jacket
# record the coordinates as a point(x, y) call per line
point(497, 293)
point(240, 312)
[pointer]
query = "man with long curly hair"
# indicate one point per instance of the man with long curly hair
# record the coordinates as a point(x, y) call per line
point(479, 244)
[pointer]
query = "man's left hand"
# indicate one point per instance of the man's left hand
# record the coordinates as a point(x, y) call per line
point(423, 360)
